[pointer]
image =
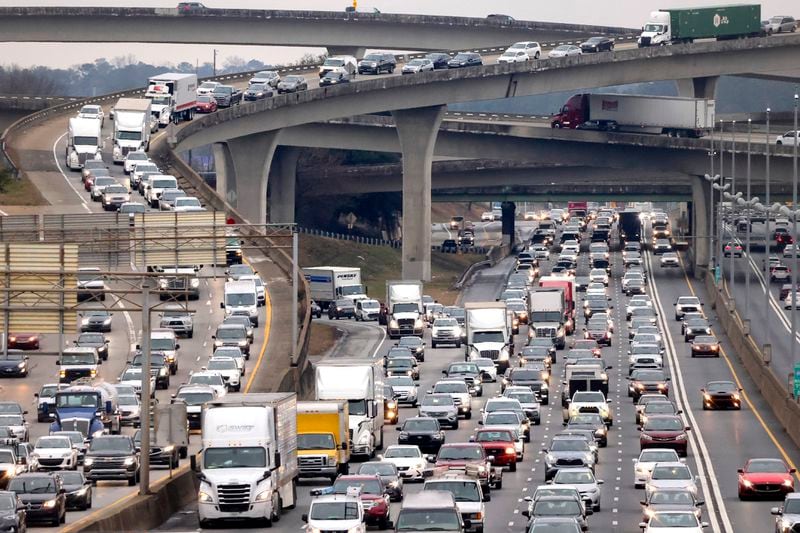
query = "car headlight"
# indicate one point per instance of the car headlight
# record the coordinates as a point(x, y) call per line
point(129, 461)
point(162, 371)
point(645, 436)
point(107, 321)
point(204, 497)
point(21, 365)
point(162, 284)
point(393, 323)
point(88, 461)
point(418, 323)
point(84, 321)
point(364, 439)
point(49, 504)
point(788, 482)
point(217, 343)
point(549, 459)
point(243, 343)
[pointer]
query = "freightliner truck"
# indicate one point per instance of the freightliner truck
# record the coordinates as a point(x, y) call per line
point(676, 26)
point(404, 309)
point(488, 333)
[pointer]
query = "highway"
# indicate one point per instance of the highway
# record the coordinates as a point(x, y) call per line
point(721, 441)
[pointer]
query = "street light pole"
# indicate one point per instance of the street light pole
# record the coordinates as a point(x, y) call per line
point(215, 62)
point(766, 237)
point(144, 415)
point(720, 243)
point(733, 203)
point(793, 292)
point(711, 208)
point(749, 214)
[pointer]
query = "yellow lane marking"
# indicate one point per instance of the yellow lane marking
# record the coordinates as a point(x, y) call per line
point(267, 324)
point(746, 397)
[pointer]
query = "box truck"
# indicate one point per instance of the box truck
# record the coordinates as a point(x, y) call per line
point(131, 127)
point(488, 333)
point(568, 284)
point(84, 142)
point(330, 283)
point(630, 226)
point(633, 113)
point(404, 308)
point(547, 314)
point(675, 26)
point(173, 97)
point(323, 448)
point(248, 464)
point(360, 383)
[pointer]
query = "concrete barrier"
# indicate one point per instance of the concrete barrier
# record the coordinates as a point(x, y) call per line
point(772, 388)
point(146, 512)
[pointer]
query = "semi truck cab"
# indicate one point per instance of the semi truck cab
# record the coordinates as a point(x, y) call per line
point(657, 30)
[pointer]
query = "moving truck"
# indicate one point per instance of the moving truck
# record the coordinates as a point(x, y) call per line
point(330, 283)
point(404, 309)
point(568, 284)
point(360, 383)
point(630, 226)
point(675, 26)
point(84, 142)
point(323, 449)
point(577, 209)
point(488, 333)
point(173, 96)
point(547, 314)
point(131, 127)
point(672, 115)
point(583, 378)
point(248, 464)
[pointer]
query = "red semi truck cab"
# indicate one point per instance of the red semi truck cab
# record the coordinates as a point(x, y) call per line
point(572, 114)
point(568, 284)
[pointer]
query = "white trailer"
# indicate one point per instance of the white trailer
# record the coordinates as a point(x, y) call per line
point(329, 283)
point(173, 96)
point(131, 127)
point(651, 114)
point(84, 142)
point(360, 382)
point(488, 333)
point(248, 466)
point(546, 314)
point(404, 308)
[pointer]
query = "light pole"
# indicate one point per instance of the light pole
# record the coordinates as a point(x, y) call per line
point(720, 244)
point(766, 235)
point(733, 191)
point(215, 62)
point(749, 222)
point(711, 179)
point(793, 292)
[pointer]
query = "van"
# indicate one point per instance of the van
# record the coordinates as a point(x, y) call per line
point(430, 510)
point(156, 186)
point(241, 298)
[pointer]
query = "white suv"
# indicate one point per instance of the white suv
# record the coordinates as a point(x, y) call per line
point(687, 304)
point(228, 369)
point(531, 48)
point(590, 401)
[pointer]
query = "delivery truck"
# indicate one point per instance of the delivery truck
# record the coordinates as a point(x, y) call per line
point(323, 448)
point(567, 283)
point(404, 309)
point(84, 142)
point(173, 96)
point(248, 464)
point(630, 226)
point(330, 283)
point(488, 333)
point(359, 382)
point(676, 26)
point(633, 113)
point(131, 127)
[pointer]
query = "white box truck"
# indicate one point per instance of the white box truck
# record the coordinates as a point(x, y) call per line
point(488, 333)
point(248, 464)
point(173, 96)
point(692, 117)
point(330, 283)
point(360, 382)
point(546, 314)
point(404, 309)
point(84, 142)
point(131, 127)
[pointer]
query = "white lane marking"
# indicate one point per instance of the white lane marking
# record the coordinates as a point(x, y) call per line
point(695, 436)
point(66, 178)
point(3, 213)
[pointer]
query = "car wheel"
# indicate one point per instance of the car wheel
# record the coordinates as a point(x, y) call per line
point(512, 467)
point(132, 481)
point(468, 416)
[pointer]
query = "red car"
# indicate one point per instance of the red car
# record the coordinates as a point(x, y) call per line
point(499, 444)
point(468, 455)
point(766, 478)
point(23, 341)
point(664, 431)
point(206, 104)
point(373, 497)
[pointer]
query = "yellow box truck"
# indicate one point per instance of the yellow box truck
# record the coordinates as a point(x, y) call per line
point(323, 449)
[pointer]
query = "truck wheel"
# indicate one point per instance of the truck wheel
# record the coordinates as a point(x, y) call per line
point(184, 452)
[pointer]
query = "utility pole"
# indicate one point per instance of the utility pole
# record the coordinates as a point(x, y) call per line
point(733, 200)
point(767, 236)
point(793, 292)
point(144, 417)
point(215, 61)
point(749, 222)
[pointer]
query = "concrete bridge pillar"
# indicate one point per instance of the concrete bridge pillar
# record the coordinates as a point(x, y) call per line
point(417, 130)
point(226, 176)
point(250, 158)
point(508, 222)
point(702, 87)
point(281, 189)
point(355, 51)
point(701, 192)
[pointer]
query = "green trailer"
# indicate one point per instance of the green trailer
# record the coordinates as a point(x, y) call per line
point(675, 26)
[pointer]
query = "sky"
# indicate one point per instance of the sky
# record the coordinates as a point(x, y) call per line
point(627, 13)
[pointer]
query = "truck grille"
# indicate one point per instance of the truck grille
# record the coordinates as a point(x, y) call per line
point(110, 463)
point(126, 149)
point(546, 332)
point(233, 498)
point(76, 425)
point(588, 409)
point(406, 323)
point(83, 157)
point(491, 354)
point(311, 461)
point(75, 374)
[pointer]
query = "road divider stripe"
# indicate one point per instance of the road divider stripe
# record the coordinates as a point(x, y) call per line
point(267, 326)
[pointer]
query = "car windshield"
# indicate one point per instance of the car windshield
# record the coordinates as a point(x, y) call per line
point(116, 189)
point(589, 397)
point(500, 405)
point(68, 359)
point(445, 323)
point(401, 381)
point(377, 469)
point(468, 453)
point(671, 472)
point(399, 363)
point(293, 79)
point(32, 485)
point(461, 57)
point(162, 343)
point(257, 87)
point(673, 520)
point(48, 391)
point(523, 397)
point(370, 304)
point(417, 62)
point(204, 99)
point(463, 491)
point(586, 419)
point(223, 89)
point(195, 398)
point(766, 465)
point(494, 436)
point(648, 376)
point(207, 379)
point(402, 452)
point(660, 407)
point(673, 497)
point(557, 508)
point(664, 424)
point(721, 386)
point(231, 333)
point(501, 419)
point(222, 364)
point(421, 424)
point(657, 456)
point(53, 443)
point(6, 457)
point(460, 387)
point(462, 369)
point(11, 420)
point(573, 477)
point(569, 445)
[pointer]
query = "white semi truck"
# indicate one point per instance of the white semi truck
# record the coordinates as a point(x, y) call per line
point(488, 333)
point(131, 127)
point(546, 314)
point(404, 309)
point(330, 283)
point(360, 382)
point(84, 142)
point(248, 464)
point(173, 96)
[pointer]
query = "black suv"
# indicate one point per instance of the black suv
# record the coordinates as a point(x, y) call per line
point(376, 62)
point(422, 431)
point(35, 491)
point(158, 366)
point(112, 457)
point(227, 95)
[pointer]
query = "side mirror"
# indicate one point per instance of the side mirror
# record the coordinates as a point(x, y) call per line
point(526, 513)
point(776, 511)
point(398, 428)
point(222, 305)
point(177, 346)
point(58, 363)
point(304, 517)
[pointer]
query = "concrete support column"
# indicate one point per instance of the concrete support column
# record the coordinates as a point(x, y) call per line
point(509, 213)
point(702, 87)
point(251, 157)
point(282, 180)
point(417, 130)
point(355, 51)
point(226, 177)
point(699, 216)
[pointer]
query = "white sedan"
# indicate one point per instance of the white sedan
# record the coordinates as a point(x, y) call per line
point(487, 216)
point(644, 464)
point(670, 259)
point(673, 521)
point(565, 50)
point(513, 56)
point(409, 460)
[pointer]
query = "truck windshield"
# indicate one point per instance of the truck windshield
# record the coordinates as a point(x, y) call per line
point(247, 457)
point(488, 336)
point(463, 491)
point(315, 441)
point(85, 141)
point(654, 28)
point(428, 520)
point(160, 100)
point(86, 399)
point(77, 359)
point(196, 398)
point(162, 344)
point(405, 308)
point(334, 511)
point(546, 316)
point(240, 299)
point(129, 135)
point(357, 407)
point(352, 289)
point(334, 62)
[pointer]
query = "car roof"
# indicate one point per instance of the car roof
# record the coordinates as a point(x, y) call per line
point(429, 499)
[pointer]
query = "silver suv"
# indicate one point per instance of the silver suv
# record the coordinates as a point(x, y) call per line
point(179, 320)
